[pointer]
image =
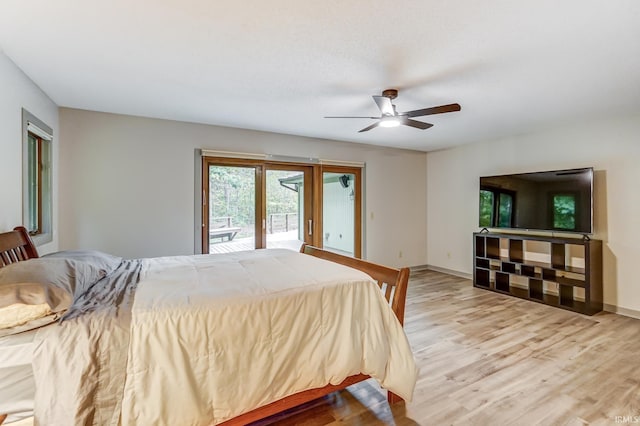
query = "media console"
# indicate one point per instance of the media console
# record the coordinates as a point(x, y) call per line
point(561, 272)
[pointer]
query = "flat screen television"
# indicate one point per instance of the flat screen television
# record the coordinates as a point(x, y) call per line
point(558, 201)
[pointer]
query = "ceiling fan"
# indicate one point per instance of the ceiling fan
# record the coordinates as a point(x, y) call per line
point(389, 117)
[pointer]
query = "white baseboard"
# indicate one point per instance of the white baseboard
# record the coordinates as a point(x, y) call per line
point(622, 311)
point(443, 270)
point(419, 268)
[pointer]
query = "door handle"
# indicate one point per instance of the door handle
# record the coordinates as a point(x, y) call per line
point(310, 226)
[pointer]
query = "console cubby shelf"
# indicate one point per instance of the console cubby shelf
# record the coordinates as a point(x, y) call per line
point(562, 272)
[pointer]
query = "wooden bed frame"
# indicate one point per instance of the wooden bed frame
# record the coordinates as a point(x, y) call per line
point(16, 246)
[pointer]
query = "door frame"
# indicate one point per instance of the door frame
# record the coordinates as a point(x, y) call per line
point(312, 204)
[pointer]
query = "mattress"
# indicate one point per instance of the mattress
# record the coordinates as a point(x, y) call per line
point(17, 386)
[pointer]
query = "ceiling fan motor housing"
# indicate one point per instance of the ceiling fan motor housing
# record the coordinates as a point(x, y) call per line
point(390, 93)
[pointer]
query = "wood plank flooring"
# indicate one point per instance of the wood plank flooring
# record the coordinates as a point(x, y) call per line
point(490, 359)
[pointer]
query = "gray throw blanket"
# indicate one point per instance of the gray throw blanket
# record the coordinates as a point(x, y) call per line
point(110, 292)
point(97, 327)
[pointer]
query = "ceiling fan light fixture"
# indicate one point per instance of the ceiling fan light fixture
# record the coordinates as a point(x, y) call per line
point(389, 117)
point(389, 122)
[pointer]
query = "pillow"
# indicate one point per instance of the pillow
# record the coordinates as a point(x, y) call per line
point(97, 259)
point(51, 280)
point(19, 318)
point(20, 314)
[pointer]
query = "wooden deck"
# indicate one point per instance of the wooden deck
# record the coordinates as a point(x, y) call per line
point(286, 240)
point(490, 359)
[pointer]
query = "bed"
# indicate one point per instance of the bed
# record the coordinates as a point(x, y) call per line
point(166, 350)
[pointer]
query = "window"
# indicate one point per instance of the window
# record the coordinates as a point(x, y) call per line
point(37, 185)
point(564, 211)
point(494, 201)
point(486, 208)
point(505, 210)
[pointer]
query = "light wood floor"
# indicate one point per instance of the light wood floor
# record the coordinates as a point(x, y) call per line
point(490, 359)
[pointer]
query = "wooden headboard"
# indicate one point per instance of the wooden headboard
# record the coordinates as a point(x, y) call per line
point(393, 282)
point(16, 246)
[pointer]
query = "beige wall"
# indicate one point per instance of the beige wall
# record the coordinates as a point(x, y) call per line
point(17, 91)
point(611, 146)
point(127, 184)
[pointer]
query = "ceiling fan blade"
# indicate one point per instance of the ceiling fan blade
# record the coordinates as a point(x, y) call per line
point(385, 105)
point(366, 129)
point(433, 110)
point(342, 116)
point(417, 124)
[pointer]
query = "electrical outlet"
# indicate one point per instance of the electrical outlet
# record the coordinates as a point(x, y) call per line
point(449, 255)
point(400, 254)
point(371, 215)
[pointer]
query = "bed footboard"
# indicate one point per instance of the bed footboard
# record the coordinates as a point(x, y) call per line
point(393, 282)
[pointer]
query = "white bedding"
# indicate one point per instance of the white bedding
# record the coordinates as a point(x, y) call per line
point(214, 336)
point(17, 387)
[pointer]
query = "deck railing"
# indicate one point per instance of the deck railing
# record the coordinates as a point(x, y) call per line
point(282, 222)
point(276, 222)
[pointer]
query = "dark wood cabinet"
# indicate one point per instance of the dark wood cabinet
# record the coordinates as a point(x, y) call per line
point(562, 272)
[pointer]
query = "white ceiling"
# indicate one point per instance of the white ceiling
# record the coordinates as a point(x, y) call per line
point(282, 65)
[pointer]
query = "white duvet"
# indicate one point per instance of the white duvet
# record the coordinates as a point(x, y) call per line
point(213, 336)
point(16, 377)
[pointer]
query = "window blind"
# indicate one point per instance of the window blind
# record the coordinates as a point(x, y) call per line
point(32, 128)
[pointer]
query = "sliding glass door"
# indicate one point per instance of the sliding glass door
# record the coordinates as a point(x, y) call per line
point(341, 211)
point(249, 204)
point(231, 193)
point(289, 218)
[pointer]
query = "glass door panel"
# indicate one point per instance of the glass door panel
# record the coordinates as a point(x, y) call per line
point(286, 219)
point(232, 208)
point(339, 212)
